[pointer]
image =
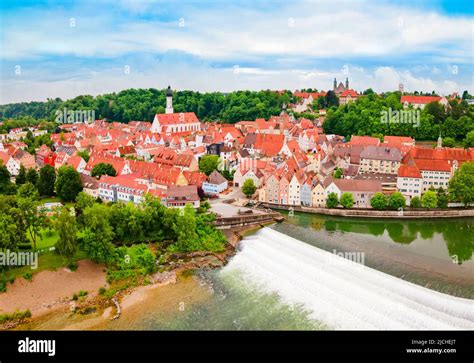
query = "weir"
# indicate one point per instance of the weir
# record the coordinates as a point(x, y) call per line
point(344, 294)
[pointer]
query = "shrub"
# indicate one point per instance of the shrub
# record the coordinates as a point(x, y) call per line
point(378, 201)
point(332, 201)
point(102, 291)
point(28, 276)
point(396, 201)
point(415, 202)
point(429, 200)
point(347, 200)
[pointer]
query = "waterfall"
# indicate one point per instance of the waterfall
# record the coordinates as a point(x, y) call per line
point(344, 294)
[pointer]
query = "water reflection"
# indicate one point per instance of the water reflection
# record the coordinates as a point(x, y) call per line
point(457, 234)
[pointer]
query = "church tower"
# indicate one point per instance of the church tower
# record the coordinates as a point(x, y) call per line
point(169, 100)
point(335, 83)
point(347, 82)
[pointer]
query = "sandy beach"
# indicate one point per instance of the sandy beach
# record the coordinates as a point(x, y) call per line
point(51, 289)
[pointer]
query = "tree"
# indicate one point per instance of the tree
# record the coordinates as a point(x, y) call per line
point(31, 215)
point(429, 199)
point(103, 169)
point(396, 201)
point(249, 188)
point(185, 230)
point(331, 99)
point(378, 201)
point(347, 200)
point(32, 176)
point(21, 177)
point(208, 163)
point(448, 142)
point(47, 178)
point(415, 202)
point(338, 173)
point(68, 183)
point(332, 200)
point(442, 198)
point(461, 185)
point(65, 225)
point(98, 234)
point(84, 154)
point(469, 140)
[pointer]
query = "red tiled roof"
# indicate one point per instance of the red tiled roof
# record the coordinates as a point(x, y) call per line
point(409, 171)
point(176, 118)
point(420, 99)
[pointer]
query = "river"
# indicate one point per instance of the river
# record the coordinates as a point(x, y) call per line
point(319, 272)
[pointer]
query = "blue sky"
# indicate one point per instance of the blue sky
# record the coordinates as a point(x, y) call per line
point(66, 48)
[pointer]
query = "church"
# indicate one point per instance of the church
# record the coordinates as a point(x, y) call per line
point(345, 93)
point(171, 122)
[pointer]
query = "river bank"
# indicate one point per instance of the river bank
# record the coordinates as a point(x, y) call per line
point(52, 292)
point(407, 213)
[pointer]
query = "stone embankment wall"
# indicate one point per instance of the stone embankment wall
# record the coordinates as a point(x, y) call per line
point(372, 213)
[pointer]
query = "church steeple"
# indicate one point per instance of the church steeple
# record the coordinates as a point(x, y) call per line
point(347, 82)
point(169, 100)
point(335, 83)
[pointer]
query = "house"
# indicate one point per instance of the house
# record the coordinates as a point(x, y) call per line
point(305, 193)
point(422, 101)
point(348, 95)
point(409, 180)
point(318, 195)
point(272, 189)
point(77, 162)
point(380, 159)
point(13, 166)
point(24, 158)
point(361, 190)
point(180, 196)
point(124, 188)
point(90, 185)
point(294, 189)
point(241, 175)
point(216, 184)
point(45, 156)
point(284, 186)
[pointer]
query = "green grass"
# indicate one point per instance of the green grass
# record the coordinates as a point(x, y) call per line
point(46, 261)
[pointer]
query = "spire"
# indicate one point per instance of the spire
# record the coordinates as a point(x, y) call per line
point(347, 82)
point(169, 100)
point(335, 83)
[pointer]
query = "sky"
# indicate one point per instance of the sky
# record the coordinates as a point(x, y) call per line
point(63, 49)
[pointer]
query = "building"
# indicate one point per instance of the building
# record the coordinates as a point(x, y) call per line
point(380, 159)
point(90, 185)
point(361, 190)
point(180, 196)
point(422, 101)
point(216, 184)
point(409, 181)
point(13, 166)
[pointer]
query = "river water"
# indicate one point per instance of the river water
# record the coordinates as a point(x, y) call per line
point(316, 272)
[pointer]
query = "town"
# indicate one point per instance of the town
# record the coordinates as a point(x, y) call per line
point(283, 160)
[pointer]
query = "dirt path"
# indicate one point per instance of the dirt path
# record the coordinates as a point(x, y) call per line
point(50, 288)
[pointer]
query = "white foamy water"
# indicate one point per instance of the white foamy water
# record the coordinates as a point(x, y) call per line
point(344, 294)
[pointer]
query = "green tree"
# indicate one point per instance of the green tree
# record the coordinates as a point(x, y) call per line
point(103, 169)
point(347, 200)
point(415, 202)
point(21, 177)
point(185, 230)
point(469, 140)
point(332, 200)
point(31, 214)
point(448, 142)
point(429, 199)
point(68, 183)
point(249, 188)
point(461, 185)
point(396, 201)
point(84, 154)
point(338, 173)
point(32, 176)
point(5, 182)
point(83, 200)
point(208, 163)
point(47, 178)
point(65, 225)
point(442, 198)
point(379, 201)
point(98, 234)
